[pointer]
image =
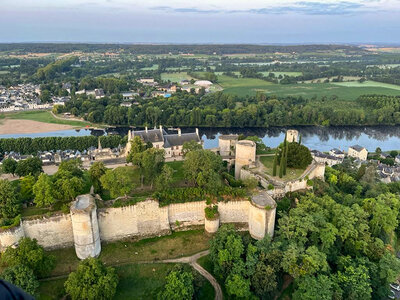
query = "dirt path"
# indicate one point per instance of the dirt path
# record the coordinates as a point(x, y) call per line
point(192, 260)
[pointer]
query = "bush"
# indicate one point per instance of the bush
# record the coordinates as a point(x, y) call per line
point(30, 254)
point(211, 212)
point(22, 277)
point(270, 187)
point(92, 280)
point(298, 156)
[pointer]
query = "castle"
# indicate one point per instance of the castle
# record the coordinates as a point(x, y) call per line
point(86, 226)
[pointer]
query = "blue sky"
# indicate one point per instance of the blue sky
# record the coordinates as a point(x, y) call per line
point(206, 21)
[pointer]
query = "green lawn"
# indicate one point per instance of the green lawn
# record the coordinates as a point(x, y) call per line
point(44, 116)
point(291, 173)
point(178, 170)
point(178, 244)
point(176, 76)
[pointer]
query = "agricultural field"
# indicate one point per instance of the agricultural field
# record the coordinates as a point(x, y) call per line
point(176, 76)
point(343, 90)
point(152, 68)
point(369, 83)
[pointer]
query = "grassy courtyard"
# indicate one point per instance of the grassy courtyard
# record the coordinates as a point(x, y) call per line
point(291, 173)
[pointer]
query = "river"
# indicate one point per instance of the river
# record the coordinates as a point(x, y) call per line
point(314, 137)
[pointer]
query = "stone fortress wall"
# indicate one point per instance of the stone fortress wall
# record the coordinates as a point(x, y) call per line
point(84, 228)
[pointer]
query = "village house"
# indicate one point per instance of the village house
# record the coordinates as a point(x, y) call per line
point(358, 152)
point(336, 153)
point(326, 159)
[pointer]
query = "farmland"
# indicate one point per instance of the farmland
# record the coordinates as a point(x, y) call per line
point(343, 90)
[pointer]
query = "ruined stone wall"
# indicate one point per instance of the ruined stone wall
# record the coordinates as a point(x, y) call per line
point(143, 219)
point(51, 232)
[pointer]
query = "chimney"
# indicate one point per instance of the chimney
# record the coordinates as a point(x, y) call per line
point(197, 131)
point(145, 128)
point(179, 132)
point(161, 128)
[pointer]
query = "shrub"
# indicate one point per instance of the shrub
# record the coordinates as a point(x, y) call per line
point(211, 212)
point(22, 277)
point(298, 156)
point(270, 187)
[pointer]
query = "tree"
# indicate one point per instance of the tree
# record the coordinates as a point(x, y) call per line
point(226, 249)
point(91, 281)
point(74, 166)
point(238, 286)
point(97, 170)
point(355, 282)
point(26, 185)
point(275, 163)
point(378, 150)
point(150, 163)
point(286, 147)
point(320, 287)
point(32, 165)
point(9, 165)
point(394, 153)
point(281, 163)
point(44, 191)
point(30, 254)
point(179, 285)
point(190, 146)
point(137, 146)
point(165, 179)
point(298, 156)
point(9, 204)
point(120, 181)
point(67, 187)
point(203, 167)
point(23, 277)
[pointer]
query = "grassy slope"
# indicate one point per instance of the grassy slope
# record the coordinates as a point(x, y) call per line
point(171, 246)
point(44, 116)
point(136, 281)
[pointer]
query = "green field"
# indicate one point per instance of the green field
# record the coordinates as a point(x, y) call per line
point(344, 90)
point(152, 68)
point(294, 74)
point(44, 116)
point(368, 83)
point(176, 76)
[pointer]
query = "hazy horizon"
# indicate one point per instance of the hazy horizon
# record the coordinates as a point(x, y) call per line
point(205, 22)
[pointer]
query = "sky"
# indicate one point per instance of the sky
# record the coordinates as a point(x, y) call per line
point(206, 21)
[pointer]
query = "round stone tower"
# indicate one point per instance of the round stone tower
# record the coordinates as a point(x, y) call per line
point(85, 227)
point(245, 155)
point(262, 216)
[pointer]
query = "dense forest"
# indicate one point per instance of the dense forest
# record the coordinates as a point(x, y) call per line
point(222, 110)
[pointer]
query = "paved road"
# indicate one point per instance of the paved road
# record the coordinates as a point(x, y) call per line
point(192, 261)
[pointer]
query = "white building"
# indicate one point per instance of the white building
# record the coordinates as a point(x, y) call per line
point(358, 151)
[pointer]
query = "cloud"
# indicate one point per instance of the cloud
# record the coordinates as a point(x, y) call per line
point(301, 7)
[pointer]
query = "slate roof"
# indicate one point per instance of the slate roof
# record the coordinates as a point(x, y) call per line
point(178, 140)
point(152, 135)
point(358, 148)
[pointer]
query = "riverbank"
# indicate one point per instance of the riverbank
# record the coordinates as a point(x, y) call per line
point(20, 126)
